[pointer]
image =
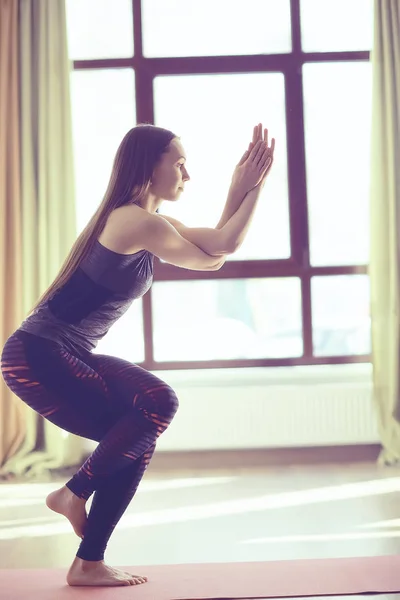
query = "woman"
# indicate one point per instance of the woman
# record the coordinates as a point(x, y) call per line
point(48, 361)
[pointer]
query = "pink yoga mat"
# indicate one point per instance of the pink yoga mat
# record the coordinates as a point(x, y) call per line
point(275, 579)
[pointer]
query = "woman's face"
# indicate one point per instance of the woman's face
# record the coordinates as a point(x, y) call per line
point(170, 175)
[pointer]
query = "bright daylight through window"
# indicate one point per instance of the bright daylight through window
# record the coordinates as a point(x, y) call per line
point(297, 291)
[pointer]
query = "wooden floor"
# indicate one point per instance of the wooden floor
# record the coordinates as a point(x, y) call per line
point(221, 515)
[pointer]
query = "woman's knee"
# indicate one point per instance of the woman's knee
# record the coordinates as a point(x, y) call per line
point(173, 401)
point(161, 400)
point(166, 401)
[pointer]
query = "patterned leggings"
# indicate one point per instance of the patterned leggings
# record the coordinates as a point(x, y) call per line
point(103, 398)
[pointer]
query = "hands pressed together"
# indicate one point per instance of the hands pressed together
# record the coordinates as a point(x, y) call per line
point(256, 162)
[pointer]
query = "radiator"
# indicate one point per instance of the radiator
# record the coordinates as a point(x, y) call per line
point(230, 409)
point(262, 408)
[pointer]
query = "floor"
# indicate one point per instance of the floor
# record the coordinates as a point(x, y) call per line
point(221, 515)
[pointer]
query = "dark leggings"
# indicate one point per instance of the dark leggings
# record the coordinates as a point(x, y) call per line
point(103, 398)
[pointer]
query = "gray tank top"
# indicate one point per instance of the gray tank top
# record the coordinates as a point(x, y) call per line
point(103, 287)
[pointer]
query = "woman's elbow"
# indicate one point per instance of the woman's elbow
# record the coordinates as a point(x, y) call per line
point(219, 264)
point(232, 246)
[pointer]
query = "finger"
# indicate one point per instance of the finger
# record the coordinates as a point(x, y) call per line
point(256, 136)
point(272, 145)
point(264, 174)
point(257, 151)
point(257, 133)
point(266, 162)
point(266, 136)
point(246, 154)
point(267, 157)
point(256, 148)
point(261, 150)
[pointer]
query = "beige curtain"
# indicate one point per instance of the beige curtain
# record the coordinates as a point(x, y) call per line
point(12, 422)
point(385, 226)
point(47, 206)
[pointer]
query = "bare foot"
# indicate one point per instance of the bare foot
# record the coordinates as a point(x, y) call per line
point(97, 573)
point(64, 502)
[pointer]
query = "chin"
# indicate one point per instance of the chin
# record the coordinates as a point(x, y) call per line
point(176, 195)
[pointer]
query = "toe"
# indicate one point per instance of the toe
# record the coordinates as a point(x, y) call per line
point(138, 578)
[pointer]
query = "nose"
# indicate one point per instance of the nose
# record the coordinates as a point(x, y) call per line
point(186, 176)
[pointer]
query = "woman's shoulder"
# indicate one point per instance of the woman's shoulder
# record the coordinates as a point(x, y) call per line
point(121, 229)
point(126, 211)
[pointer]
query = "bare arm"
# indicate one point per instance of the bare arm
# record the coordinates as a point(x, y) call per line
point(162, 239)
point(229, 237)
point(235, 230)
point(212, 241)
point(239, 210)
point(236, 194)
point(233, 201)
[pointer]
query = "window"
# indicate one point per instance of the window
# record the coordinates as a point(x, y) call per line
point(99, 29)
point(227, 319)
point(103, 109)
point(336, 26)
point(213, 149)
point(337, 108)
point(215, 27)
point(341, 321)
point(297, 291)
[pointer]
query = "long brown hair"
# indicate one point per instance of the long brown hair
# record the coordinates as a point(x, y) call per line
point(134, 163)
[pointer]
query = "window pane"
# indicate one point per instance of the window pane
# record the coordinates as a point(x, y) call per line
point(227, 319)
point(341, 315)
point(214, 115)
point(336, 25)
point(125, 338)
point(337, 107)
point(99, 29)
point(103, 109)
point(215, 27)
